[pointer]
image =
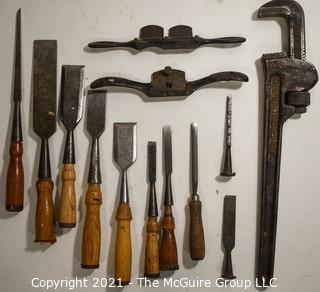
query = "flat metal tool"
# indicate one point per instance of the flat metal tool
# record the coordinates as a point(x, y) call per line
point(196, 234)
point(168, 246)
point(288, 78)
point(15, 174)
point(71, 108)
point(226, 167)
point(151, 263)
point(91, 238)
point(44, 125)
point(180, 37)
point(169, 82)
point(124, 155)
point(228, 235)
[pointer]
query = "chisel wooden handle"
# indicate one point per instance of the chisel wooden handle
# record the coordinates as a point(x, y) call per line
point(196, 239)
point(168, 249)
point(45, 220)
point(151, 261)
point(15, 178)
point(68, 197)
point(123, 256)
point(91, 239)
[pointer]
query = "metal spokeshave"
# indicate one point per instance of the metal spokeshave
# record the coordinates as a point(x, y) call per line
point(288, 78)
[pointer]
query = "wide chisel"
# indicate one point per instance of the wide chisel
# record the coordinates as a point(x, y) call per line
point(168, 247)
point(124, 155)
point(196, 234)
point(151, 261)
point(71, 107)
point(44, 125)
point(91, 238)
point(15, 174)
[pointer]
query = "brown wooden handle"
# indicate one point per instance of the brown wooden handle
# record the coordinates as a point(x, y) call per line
point(91, 239)
point(15, 179)
point(168, 248)
point(123, 256)
point(151, 260)
point(196, 239)
point(45, 220)
point(67, 215)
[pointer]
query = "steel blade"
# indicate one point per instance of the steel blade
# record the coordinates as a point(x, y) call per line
point(167, 144)
point(71, 102)
point(44, 87)
point(194, 157)
point(229, 222)
point(17, 91)
point(152, 161)
point(96, 112)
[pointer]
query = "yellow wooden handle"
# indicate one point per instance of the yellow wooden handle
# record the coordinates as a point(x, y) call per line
point(68, 209)
point(91, 239)
point(45, 220)
point(123, 256)
point(151, 260)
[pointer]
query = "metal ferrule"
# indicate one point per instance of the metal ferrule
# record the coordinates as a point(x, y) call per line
point(124, 192)
point(69, 153)
point(195, 197)
point(16, 135)
point(168, 199)
point(44, 165)
point(94, 171)
point(153, 207)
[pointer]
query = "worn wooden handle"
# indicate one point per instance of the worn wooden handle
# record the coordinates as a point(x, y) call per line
point(123, 256)
point(196, 239)
point(168, 247)
point(151, 260)
point(91, 239)
point(67, 215)
point(15, 179)
point(45, 220)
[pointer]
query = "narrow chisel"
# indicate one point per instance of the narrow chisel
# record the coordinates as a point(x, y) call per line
point(168, 248)
point(91, 237)
point(44, 125)
point(196, 239)
point(15, 174)
point(71, 107)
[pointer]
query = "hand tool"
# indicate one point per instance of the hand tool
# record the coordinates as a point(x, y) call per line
point(196, 234)
point(44, 125)
point(15, 174)
point(228, 235)
point(169, 82)
point(91, 239)
point(168, 247)
point(124, 155)
point(180, 37)
point(151, 261)
point(288, 78)
point(71, 106)
point(226, 167)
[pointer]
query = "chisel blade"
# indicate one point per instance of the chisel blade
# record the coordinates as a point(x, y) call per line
point(152, 161)
point(229, 222)
point(96, 112)
point(194, 157)
point(167, 144)
point(71, 102)
point(44, 87)
point(17, 89)
point(124, 143)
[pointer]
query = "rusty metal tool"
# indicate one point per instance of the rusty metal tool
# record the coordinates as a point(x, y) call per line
point(151, 263)
point(228, 235)
point(288, 78)
point(124, 154)
point(91, 238)
point(169, 82)
point(44, 125)
point(226, 167)
point(168, 246)
point(15, 174)
point(71, 107)
point(179, 37)
point(196, 234)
